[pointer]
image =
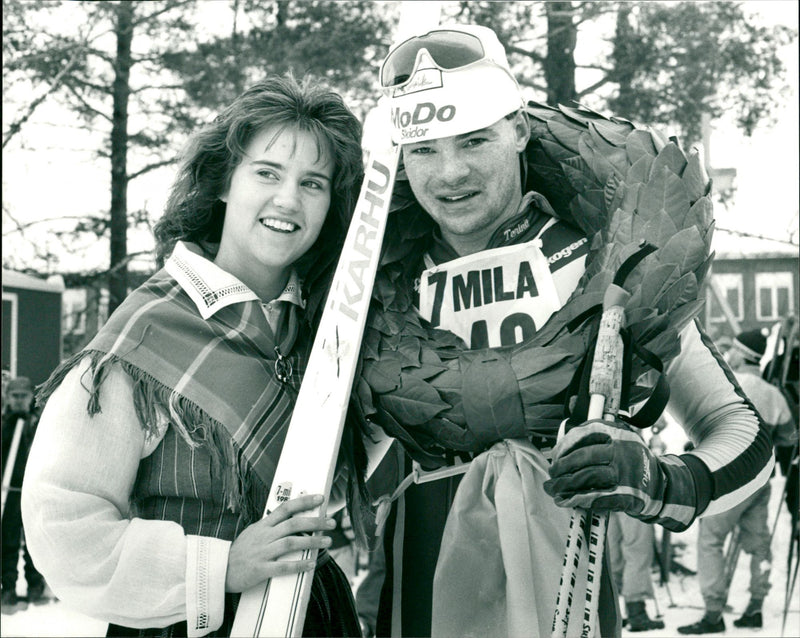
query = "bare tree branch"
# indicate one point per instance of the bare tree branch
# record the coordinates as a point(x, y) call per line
point(21, 227)
point(102, 55)
point(154, 87)
point(594, 67)
point(90, 85)
point(528, 54)
point(16, 126)
point(150, 167)
point(533, 85)
point(88, 106)
point(593, 87)
point(149, 17)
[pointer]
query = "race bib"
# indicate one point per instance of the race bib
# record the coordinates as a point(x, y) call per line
point(497, 297)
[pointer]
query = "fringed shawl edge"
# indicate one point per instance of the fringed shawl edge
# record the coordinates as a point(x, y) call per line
point(199, 430)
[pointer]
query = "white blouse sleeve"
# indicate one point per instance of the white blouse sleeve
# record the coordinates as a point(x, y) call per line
point(76, 512)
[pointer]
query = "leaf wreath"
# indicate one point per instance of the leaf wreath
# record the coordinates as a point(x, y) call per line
point(617, 182)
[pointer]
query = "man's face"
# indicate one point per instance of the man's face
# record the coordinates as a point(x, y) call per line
point(19, 401)
point(469, 184)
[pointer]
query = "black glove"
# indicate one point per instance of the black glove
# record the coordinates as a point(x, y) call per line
point(605, 466)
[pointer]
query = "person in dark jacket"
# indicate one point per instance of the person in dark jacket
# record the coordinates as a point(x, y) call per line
point(19, 417)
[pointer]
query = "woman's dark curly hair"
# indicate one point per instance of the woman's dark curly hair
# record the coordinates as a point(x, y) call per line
point(194, 211)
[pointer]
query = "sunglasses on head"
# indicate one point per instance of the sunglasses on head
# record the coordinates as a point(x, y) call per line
point(448, 49)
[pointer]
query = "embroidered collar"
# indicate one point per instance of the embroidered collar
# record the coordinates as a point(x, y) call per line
point(211, 288)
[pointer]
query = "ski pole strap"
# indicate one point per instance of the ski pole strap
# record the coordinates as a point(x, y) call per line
point(655, 404)
point(578, 388)
point(631, 262)
point(647, 414)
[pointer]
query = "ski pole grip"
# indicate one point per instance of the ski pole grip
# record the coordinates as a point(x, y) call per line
point(605, 378)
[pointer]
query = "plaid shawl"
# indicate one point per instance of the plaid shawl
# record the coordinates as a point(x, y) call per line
point(214, 378)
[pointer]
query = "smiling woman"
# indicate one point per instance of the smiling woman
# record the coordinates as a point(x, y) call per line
point(276, 204)
point(159, 440)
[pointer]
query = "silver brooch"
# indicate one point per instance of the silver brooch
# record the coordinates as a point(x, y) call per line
point(283, 367)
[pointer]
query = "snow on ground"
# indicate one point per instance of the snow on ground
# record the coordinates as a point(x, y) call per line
point(679, 604)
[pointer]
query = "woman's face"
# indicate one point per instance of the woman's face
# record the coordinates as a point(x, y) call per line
point(276, 204)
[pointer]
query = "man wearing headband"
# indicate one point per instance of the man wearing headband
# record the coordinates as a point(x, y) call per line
point(477, 263)
point(750, 516)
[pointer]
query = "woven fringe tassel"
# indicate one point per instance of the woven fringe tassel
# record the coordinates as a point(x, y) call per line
point(155, 403)
point(47, 388)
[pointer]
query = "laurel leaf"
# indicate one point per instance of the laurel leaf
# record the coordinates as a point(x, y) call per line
point(659, 278)
point(694, 177)
point(639, 171)
point(534, 360)
point(701, 271)
point(363, 395)
point(614, 154)
point(578, 174)
point(701, 214)
point(556, 152)
point(565, 135)
point(415, 402)
point(685, 249)
point(369, 344)
point(639, 144)
point(670, 157)
point(598, 164)
point(409, 349)
point(664, 195)
point(659, 229)
point(679, 293)
point(615, 134)
point(384, 375)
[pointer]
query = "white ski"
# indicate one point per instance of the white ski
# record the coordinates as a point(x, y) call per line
point(307, 461)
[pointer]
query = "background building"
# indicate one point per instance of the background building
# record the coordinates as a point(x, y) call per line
point(31, 325)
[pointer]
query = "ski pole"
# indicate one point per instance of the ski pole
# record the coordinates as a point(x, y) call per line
point(605, 384)
point(732, 559)
point(787, 478)
point(791, 575)
point(663, 571)
point(11, 461)
point(658, 611)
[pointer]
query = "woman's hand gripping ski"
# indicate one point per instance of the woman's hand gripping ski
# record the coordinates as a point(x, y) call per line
point(256, 553)
point(604, 465)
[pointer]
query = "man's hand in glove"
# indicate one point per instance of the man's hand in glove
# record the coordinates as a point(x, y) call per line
point(606, 466)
